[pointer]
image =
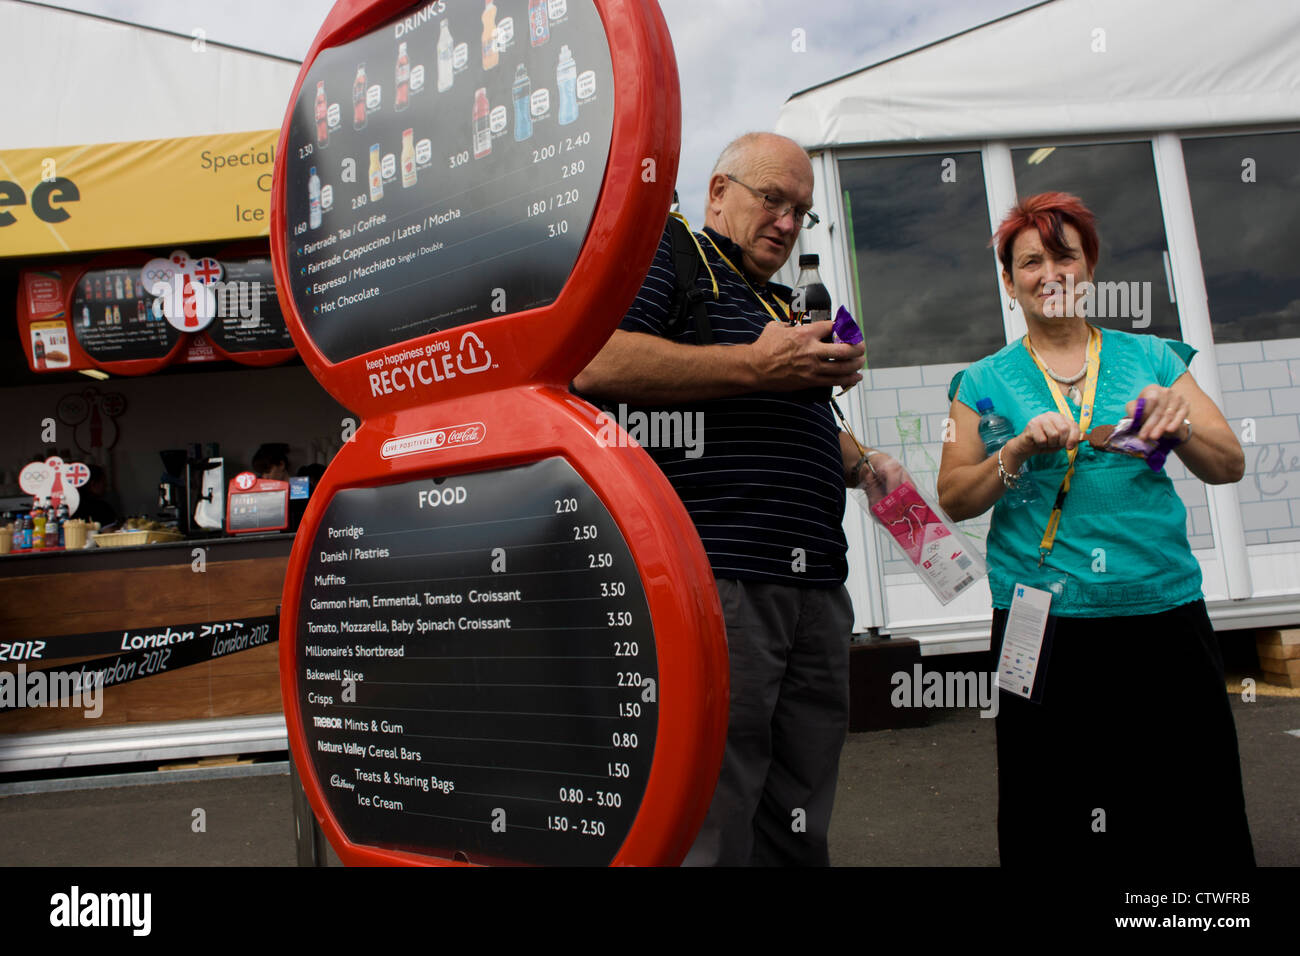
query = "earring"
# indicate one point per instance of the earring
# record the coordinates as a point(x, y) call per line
point(1011, 305)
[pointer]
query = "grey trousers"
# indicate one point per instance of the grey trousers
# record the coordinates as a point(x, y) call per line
point(789, 654)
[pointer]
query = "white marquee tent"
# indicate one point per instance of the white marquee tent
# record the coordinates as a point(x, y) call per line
point(1179, 122)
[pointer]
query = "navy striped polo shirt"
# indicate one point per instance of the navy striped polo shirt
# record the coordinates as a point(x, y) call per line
point(765, 487)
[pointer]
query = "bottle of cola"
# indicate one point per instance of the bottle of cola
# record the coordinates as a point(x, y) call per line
point(812, 300)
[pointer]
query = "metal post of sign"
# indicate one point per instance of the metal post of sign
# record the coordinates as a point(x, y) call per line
point(307, 832)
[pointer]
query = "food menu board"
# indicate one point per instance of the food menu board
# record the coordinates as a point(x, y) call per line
point(477, 669)
point(444, 169)
point(248, 315)
point(114, 317)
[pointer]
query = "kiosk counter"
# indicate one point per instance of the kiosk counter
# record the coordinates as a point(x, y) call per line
point(187, 657)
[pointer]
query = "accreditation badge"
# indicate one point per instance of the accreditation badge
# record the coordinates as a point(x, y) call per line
point(1023, 641)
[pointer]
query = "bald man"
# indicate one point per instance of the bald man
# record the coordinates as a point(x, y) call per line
point(765, 488)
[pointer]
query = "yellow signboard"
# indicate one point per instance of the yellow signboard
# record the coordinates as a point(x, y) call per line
point(128, 195)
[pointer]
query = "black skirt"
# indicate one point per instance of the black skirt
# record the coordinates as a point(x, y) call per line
point(1130, 760)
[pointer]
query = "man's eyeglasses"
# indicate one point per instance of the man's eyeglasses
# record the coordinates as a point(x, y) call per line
point(778, 207)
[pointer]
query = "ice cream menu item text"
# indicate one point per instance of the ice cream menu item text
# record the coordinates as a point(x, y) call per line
point(477, 669)
point(444, 169)
point(254, 323)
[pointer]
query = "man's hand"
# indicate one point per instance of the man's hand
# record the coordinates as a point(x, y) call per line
point(881, 475)
point(788, 358)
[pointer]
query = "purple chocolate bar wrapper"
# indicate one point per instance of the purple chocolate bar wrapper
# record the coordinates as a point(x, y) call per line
point(845, 329)
point(1124, 439)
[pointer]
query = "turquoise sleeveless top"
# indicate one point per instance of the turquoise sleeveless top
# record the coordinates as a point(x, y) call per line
point(1121, 547)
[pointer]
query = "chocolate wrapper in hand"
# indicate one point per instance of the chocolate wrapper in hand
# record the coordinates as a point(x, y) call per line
point(1123, 438)
point(844, 329)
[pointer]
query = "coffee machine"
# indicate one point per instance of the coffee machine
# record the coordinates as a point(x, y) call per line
point(191, 491)
point(210, 509)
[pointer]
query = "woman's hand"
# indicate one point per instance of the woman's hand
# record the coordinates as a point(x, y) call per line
point(1045, 433)
point(1163, 413)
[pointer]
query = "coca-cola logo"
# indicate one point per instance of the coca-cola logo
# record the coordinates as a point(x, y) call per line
point(456, 436)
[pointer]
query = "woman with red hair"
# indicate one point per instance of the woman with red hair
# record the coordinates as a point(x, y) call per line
point(1120, 749)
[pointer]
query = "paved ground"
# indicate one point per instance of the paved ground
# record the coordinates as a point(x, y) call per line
point(918, 797)
point(928, 796)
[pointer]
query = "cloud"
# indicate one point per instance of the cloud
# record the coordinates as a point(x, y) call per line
point(739, 60)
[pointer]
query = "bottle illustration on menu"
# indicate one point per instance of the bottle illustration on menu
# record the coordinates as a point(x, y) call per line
point(38, 350)
point(117, 287)
point(566, 82)
point(376, 175)
point(129, 294)
point(403, 79)
point(85, 316)
point(313, 198)
point(539, 23)
point(359, 98)
point(322, 124)
point(444, 58)
point(482, 127)
point(521, 93)
point(489, 35)
point(408, 158)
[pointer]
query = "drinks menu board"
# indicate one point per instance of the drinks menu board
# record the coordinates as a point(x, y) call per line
point(115, 319)
point(444, 169)
point(248, 314)
point(477, 668)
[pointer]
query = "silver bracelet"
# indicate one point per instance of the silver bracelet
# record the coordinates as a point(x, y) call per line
point(1188, 423)
point(1009, 481)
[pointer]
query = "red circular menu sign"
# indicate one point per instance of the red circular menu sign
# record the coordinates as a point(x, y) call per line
point(501, 641)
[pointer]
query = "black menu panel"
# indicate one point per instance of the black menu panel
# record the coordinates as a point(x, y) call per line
point(477, 668)
point(116, 318)
point(444, 169)
point(252, 510)
point(248, 311)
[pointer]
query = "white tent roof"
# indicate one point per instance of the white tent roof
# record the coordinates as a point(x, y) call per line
point(70, 78)
point(1167, 64)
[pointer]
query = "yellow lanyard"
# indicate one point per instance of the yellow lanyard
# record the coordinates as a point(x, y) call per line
point(1085, 419)
point(761, 301)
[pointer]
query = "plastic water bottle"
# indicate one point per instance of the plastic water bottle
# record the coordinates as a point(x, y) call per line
point(444, 58)
point(521, 94)
point(313, 197)
point(996, 431)
point(566, 83)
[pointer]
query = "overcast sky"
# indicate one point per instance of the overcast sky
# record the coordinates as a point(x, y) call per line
point(736, 58)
